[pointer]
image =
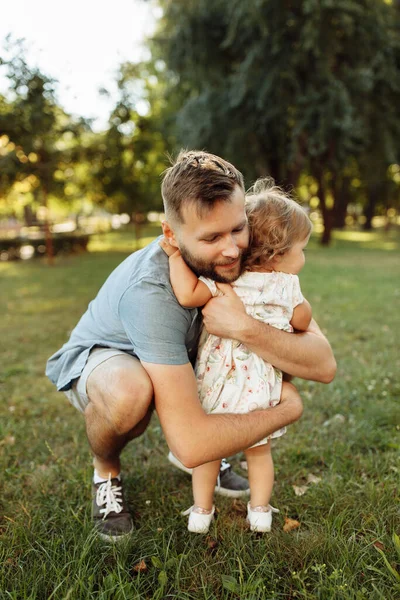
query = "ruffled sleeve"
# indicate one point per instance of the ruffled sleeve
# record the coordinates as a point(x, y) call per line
point(212, 286)
point(297, 296)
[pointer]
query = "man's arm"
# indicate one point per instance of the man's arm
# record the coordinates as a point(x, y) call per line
point(306, 354)
point(195, 437)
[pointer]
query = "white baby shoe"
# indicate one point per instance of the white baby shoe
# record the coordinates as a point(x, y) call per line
point(199, 519)
point(260, 517)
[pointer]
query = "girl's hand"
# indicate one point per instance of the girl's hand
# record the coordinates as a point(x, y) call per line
point(168, 249)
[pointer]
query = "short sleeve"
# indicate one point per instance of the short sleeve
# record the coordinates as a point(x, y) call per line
point(297, 296)
point(155, 323)
point(212, 286)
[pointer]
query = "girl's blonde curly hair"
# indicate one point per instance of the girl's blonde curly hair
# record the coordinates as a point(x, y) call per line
point(276, 222)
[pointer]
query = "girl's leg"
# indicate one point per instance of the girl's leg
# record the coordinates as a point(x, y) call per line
point(261, 465)
point(261, 474)
point(204, 479)
point(261, 479)
point(202, 512)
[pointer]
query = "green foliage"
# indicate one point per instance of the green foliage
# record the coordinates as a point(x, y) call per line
point(46, 154)
point(125, 161)
point(283, 88)
point(36, 135)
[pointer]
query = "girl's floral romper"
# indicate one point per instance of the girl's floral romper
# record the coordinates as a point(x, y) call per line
point(231, 378)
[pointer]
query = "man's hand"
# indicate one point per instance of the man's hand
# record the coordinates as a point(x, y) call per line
point(224, 315)
point(307, 354)
point(168, 249)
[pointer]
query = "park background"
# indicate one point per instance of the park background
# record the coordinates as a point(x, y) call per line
point(307, 92)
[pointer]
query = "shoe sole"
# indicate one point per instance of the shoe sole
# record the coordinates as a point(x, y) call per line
point(218, 490)
point(231, 493)
point(113, 538)
point(199, 531)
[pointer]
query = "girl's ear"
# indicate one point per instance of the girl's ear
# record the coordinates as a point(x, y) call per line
point(276, 259)
point(169, 234)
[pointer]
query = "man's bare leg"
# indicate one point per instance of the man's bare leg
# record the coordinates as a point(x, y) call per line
point(120, 406)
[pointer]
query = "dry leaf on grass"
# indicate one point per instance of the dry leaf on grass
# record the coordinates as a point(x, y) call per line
point(239, 507)
point(9, 440)
point(337, 419)
point(379, 545)
point(140, 567)
point(243, 465)
point(313, 478)
point(212, 543)
point(290, 524)
point(300, 490)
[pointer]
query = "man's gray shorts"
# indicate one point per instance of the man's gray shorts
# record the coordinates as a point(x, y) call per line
point(77, 395)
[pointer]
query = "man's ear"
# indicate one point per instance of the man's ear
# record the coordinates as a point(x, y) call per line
point(169, 234)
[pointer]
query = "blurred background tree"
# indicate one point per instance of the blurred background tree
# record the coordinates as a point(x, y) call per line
point(37, 143)
point(305, 91)
point(290, 88)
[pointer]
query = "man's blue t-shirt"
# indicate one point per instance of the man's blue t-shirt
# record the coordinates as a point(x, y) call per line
point(135, 311)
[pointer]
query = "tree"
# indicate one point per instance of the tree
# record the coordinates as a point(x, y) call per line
point(286, 87)
point(127, 159)
point(34, 130)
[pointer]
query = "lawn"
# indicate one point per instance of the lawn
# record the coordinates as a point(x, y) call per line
point(343, 456)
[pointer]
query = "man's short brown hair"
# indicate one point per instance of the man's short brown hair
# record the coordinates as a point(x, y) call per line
point(199, 178)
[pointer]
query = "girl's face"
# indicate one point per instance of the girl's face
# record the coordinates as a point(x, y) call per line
point(293, 260)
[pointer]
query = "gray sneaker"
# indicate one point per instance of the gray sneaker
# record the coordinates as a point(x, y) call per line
point(110, 512)
point(229, 483)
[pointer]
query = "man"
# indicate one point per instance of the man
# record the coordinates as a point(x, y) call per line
point(134, 347)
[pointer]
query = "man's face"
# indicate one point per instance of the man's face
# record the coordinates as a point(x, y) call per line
point(214, 245)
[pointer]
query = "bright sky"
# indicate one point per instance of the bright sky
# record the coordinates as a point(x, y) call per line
point(80, 43)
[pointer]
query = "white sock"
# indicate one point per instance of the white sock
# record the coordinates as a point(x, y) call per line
point(98, 479)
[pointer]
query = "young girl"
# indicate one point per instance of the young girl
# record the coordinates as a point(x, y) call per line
point(231, 378)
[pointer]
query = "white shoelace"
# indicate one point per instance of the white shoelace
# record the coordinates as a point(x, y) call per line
point(224, 466)
point(110, 496)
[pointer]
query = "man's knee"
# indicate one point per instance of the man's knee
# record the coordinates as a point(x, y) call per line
point(141, 427)
point(123, 395)
point(131, 403)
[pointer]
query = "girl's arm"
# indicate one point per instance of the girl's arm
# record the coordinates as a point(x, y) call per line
point(188, 289)
point(302, 315)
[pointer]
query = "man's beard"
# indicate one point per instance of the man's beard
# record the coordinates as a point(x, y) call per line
point(206, 269)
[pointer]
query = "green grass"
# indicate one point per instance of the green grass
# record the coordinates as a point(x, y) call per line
point(345, 547)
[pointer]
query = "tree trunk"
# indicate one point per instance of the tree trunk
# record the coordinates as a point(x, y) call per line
point(47, 232)
point(138, 220)
point(292, 178)
point(369, 211)
point(275, 170)
point(342, 199)
point(29, 216)
point(327, 214)
point(328, 226)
